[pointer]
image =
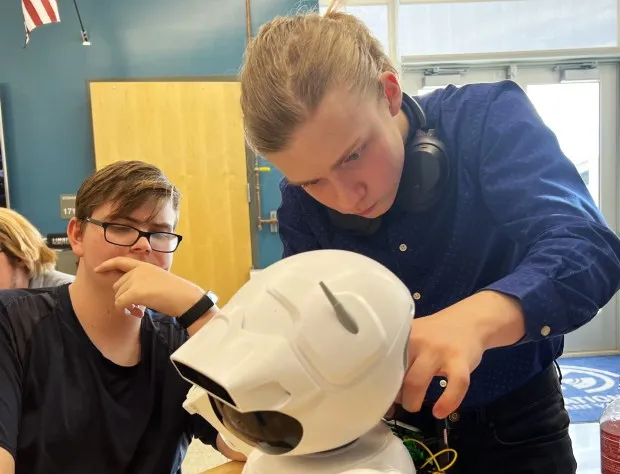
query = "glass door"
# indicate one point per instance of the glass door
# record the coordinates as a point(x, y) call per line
point(580, 104)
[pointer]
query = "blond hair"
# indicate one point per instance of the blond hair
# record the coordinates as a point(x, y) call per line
point(127, 185)
point(24, 244)
point(295, 61)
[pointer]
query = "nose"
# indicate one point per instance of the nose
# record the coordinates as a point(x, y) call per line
point(142, 246)
point(350, 194)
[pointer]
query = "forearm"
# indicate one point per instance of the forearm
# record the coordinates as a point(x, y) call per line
point(200, 322)
point(7, 463)
point(562, 283)
point(498, 317)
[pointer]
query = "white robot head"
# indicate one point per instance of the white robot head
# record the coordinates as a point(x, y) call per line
point(306, 357)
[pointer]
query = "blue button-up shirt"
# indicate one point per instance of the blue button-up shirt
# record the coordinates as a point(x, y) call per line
point(518, 219)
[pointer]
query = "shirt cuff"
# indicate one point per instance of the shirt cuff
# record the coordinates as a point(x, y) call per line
point(544, 312)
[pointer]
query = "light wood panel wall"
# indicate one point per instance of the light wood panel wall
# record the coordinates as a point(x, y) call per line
point(193, 131)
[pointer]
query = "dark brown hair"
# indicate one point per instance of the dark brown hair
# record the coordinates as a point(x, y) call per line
point(127, 185)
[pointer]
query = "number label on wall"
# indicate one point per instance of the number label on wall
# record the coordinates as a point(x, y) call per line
point(67, 206)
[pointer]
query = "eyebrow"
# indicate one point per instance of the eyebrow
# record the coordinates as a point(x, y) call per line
point(342, 158)
point(160, 226)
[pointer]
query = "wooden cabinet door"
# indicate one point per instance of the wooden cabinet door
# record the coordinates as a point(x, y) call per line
point(193, 131)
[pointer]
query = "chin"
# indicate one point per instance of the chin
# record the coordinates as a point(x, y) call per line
point(377, 210)
point(373, 215)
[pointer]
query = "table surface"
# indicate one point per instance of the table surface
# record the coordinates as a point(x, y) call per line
point(232, 467)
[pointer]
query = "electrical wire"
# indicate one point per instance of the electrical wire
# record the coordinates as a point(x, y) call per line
point(433, 457)
point(409, 441)
point(77, 10)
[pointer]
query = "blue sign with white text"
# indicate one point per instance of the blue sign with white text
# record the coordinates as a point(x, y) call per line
point(589, 384)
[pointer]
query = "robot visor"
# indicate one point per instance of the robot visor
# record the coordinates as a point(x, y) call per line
point(270, 431)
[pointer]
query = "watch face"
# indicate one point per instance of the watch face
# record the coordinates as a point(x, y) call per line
point(212, 296)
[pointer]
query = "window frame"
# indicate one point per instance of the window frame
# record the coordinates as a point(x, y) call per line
point(403, 62)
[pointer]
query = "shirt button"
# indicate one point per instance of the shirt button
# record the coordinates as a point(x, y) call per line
point(402, 247)
point(417, 296)
point(545, 331)
point(454, 417)
point(443, 383)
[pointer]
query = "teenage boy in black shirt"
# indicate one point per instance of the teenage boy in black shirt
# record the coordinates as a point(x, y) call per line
point(86, 383)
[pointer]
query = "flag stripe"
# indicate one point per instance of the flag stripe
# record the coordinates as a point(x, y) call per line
point(37, 13)
point(50, 11)
point(27, 20)
point(54, 4)
point(32, 13)
point(41, 11)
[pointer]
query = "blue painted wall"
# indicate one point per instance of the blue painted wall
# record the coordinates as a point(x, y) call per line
point(43, 88)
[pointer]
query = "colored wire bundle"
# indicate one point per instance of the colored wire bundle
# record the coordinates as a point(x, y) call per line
point(432, 458)
point(423, 458)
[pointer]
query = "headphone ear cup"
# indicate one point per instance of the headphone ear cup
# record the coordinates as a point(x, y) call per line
point(425, 173)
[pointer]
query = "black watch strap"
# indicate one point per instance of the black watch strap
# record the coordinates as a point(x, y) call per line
point(203, 305)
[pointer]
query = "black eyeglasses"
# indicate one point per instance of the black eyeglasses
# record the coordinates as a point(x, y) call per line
point(126, 236)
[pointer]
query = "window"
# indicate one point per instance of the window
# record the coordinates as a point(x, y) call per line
point(506, 26)
point(577, 127)
point(434, 28)
point(376, 19)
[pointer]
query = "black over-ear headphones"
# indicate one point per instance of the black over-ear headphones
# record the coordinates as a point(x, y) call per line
point(426, 172)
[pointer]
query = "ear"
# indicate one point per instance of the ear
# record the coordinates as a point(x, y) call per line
point(392, 91)
point(75, 232)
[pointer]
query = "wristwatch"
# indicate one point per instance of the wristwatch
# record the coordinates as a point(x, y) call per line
point(204, 304)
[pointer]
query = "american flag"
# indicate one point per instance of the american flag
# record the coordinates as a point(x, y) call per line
point(39, 12)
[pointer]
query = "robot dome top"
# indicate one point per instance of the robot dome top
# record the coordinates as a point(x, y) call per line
point(308, 355)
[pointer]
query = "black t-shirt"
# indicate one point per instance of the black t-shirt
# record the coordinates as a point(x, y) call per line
point(64, 408)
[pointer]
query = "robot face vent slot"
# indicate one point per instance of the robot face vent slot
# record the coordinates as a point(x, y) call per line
point(272, 432)
point(206, 383)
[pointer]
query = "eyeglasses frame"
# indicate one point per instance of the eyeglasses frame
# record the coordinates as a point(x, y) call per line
point(141, 233)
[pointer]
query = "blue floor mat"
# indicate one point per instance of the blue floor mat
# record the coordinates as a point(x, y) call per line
point(589, 384)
